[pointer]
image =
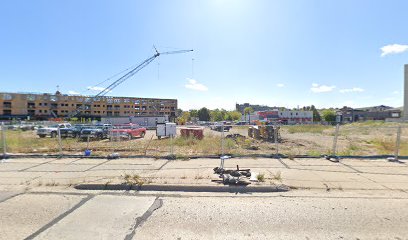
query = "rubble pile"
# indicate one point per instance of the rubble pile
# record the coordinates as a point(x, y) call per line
point(267, 133)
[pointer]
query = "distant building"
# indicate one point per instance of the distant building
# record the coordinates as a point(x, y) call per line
point(256, 108)
point(282, 116)
point(348, 114)
point(43, 106)
point(295, 116)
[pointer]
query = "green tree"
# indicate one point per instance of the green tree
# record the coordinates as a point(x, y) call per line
point(234, 116)
point(193, 113)
point(329, 115)
point(248, 110)
point(203, 114)
point(185, 117)
point(316, 114)
point(216, 115)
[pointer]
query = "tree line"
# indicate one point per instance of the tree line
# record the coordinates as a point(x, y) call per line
point(205, 114)
point(217, 115)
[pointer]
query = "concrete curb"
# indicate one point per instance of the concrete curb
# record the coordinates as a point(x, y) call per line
point(373, 157)
point(184, 188)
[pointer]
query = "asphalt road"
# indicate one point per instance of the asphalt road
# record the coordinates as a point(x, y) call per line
point(73, 214)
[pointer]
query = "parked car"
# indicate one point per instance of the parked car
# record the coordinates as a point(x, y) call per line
point(218, 127)
point(95, 132)
point(26, 127)
point(127, 131)
point(74, 131)
point(52, 130)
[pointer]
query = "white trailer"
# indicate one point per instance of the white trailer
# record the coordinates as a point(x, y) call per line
point(166, 130)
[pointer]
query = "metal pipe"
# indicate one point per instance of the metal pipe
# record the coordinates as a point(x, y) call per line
point(59, 141)
point(336, 133)
point(171, 147)
point(3, 137)
point(397, 144)
point(222, 139)
point(275, 129)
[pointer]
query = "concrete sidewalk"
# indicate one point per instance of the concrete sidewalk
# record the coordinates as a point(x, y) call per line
point(348, 174)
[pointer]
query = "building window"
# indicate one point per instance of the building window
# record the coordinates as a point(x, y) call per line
point(6, 112)
point(7, 104)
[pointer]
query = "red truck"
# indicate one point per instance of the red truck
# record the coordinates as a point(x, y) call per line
point(127, 131)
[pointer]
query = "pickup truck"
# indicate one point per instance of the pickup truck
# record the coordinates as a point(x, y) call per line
point(73, 132)
point(94, 132)
point(127, 131)
point(52, 130)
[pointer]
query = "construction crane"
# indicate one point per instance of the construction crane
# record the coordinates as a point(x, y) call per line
point(123, 78)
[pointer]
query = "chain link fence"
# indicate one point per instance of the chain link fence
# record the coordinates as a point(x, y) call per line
point(357, 139)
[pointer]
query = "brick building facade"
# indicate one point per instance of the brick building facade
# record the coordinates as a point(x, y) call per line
point(43, 106)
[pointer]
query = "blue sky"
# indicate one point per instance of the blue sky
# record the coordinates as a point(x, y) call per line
point(279, 53)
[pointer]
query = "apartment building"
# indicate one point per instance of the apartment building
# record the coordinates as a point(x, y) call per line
point(43, 106)
point(348, 114)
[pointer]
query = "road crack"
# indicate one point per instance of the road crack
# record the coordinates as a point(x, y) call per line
point(140, 220)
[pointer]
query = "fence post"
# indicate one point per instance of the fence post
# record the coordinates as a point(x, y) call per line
point(275, 130)
point(397, 143)
point(3, 137)
point(59, 141)
point(336, 134)
point(171, 147)
point(222, 139)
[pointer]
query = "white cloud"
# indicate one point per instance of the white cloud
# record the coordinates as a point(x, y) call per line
point(316, 88)
point(354, 89)
point(280, 85)
point(194, 85)
point(395, 92)
point(73, 92)
point(97, 89)
point(393, 49)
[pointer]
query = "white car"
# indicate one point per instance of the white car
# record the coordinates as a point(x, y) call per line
point(52, 130)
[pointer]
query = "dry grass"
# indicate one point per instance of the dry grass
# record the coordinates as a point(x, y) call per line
point(261, 177)
point(277, 176)
point(318, 129)
point(370, 138)
point(134, 179)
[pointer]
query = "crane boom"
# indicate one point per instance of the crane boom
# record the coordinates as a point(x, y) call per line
point(126, 76)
